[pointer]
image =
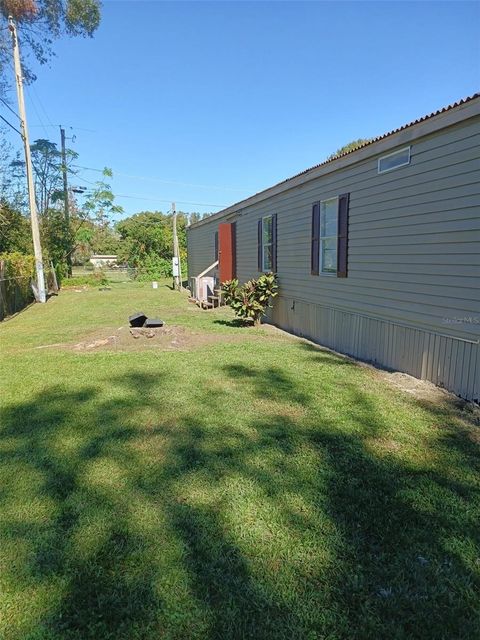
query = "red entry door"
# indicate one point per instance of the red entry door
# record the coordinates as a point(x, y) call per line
point(226, 251)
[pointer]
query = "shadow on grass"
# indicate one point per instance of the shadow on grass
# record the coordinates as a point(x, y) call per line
point(235, 322)
point(282, 522)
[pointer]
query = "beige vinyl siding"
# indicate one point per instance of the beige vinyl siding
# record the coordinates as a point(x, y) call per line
point(201, 248)
point(407, 241)
point(413, 258)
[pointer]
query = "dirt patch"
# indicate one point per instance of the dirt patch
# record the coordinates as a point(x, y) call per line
point(88, 345)
point(167, 338)
point(420, 389)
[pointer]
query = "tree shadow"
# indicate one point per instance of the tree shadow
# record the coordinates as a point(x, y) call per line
point(235, 322)
point(295, 521)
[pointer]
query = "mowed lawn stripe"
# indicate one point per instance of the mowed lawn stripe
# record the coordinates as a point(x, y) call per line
point(252, 487)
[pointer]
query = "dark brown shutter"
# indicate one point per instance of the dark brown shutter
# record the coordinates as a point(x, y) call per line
point(259, 249)
point(342, 242)
point(315, 257)
point(274, 243)
point(216, 245)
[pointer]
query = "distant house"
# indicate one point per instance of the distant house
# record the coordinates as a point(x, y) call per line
point(377, 251)
point(100, 260)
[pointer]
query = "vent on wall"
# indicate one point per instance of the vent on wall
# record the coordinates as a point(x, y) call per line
point(394, 160)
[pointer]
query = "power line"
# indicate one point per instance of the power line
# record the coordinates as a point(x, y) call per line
point(67, 126)
point(77, 177)
point(11, 125)
point(30, 95)
point(41, 106)
point(198, 204)
point(9, 108)
point(154, 179)
point(137, 197)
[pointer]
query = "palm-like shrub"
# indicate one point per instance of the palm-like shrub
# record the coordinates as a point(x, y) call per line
point(251, 300)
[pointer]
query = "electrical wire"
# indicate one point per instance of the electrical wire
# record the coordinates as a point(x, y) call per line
point(197, 204)
point(10, 108)
point(180, 184)
point(33, 102)
point(42, 107)
point(136, 197)
point(11, 125)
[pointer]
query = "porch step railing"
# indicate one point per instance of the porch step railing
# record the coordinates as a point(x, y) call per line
point(204, 292)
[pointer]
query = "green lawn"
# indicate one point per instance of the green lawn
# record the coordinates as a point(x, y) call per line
point(250, 487)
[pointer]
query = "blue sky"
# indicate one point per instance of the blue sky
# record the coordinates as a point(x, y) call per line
point(209, 102)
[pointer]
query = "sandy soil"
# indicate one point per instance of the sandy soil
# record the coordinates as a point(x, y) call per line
point(167, 338)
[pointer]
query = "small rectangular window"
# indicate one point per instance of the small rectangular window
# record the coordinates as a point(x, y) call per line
point(394, 160)
point(267, 243)
point(328, 235)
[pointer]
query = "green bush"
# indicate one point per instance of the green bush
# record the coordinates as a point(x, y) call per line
point(153, 268)
point(61, 272)
point(18, 265)
point(89, 280)
point(251, 300)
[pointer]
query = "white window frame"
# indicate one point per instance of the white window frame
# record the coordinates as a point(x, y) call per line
point(322, 238)
point(267, 244)
point(394, 153)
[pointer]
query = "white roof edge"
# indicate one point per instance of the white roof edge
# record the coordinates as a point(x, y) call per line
point(430, 124)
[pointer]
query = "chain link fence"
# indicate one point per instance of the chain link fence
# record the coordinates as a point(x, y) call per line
point(113, 274)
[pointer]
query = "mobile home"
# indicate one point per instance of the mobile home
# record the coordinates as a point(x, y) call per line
point(377, 251)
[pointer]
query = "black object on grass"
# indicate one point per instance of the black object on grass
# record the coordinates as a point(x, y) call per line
point(138, 319)
point(153, 322)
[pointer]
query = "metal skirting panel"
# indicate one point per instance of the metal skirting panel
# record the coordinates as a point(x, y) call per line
point(449, 362)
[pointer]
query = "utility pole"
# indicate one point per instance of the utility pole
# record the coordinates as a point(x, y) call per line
point(65, 197)
point(176, 258)
point(37, 248)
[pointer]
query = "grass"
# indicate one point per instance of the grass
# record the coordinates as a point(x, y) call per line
point(257, 487)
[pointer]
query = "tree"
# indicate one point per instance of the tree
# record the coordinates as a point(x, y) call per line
point(14, 182)
point(349, 147)
point(194, 217)
point(93, 238)
point(5, 159)
point(99, 204)
point(146, 241)
point(90, 230)
point(43, 21)
point(47, 166)
point(144, 234)
point(15, 232)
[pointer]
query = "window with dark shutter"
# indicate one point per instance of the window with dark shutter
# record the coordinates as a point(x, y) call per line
point(216, 245)
point(342, 239)
point(315, 255)
point(267, 243)
point(329, 252)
